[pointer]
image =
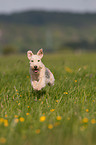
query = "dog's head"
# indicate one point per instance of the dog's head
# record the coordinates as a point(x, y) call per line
point(35, 60)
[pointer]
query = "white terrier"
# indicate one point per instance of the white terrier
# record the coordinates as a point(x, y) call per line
point(40, 75)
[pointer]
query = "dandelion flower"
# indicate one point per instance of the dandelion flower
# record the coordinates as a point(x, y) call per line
point(66, 93)
point(93, 121)
point(6, 115)
point(27, 113)
point(58, 117)
point(51, 110)
point(42, 118)
point(2, 140)
point(18, 104)
point(75, 81)
point(85, 120)
point(50, 126)
point(28, 106)
point(5, 122)
point(1, 120)
point(22, 119)
point(16, 116)
point(87, 110)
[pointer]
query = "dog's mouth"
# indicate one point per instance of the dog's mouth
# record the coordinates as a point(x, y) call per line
point(36, 70)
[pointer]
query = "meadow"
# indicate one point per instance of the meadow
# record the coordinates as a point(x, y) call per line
point(62, 114)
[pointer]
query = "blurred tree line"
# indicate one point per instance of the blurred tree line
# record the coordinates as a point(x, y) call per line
point(44, 17)
point(51, 31)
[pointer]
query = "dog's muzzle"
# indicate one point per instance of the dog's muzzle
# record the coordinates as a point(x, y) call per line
point(36, 69)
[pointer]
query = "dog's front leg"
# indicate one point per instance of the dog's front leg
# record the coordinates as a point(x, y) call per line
point(34, 84)
point(40, 84)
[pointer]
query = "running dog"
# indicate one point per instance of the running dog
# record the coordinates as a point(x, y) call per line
point(40, 75)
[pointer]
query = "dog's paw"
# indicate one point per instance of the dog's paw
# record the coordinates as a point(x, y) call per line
point(39, 89)
point(36, 88)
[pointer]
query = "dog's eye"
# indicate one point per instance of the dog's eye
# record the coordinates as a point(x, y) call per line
point(31, 60)
point(38, 60)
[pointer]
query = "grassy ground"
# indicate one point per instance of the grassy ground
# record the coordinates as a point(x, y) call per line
point(62, 114)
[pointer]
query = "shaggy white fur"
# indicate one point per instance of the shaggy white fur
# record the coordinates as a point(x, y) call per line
point(40, 75)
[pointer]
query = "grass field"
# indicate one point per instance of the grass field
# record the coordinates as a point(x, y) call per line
point(62, 114)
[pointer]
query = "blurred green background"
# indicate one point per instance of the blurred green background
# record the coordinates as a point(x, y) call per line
point(53, 31)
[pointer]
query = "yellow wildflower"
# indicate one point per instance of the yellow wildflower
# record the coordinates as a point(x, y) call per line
point(27, 113)
point(6, 115)
point(58, 117)
point(50, 126)
point(66, 93)
point(16, 116)
point(85, 120)
point(5, 122)
point(75, 81)
point(28, 106)
point(87, 110)
point(18, 104)
point(1, 120)
point(27, 77)
point(37, 131)
point(22, 119)
point(51, 110)
point(93, 121)
point(42, 118)
point(57, 101)
point(2, 140)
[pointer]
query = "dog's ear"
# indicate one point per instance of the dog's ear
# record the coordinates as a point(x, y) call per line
point(29, 54)
point(40, 53)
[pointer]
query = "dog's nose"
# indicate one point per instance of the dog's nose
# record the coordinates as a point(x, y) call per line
point(35, 66)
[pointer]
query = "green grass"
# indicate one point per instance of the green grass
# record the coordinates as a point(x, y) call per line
point(16, 94)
